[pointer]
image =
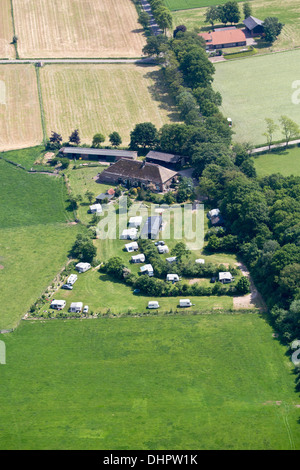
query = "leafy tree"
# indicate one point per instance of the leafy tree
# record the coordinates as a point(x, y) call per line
point(90, 196)
point(272, 29)
point(144, 135)
point(74, 137)
point(55, 140)
point(179, 29)
point(196, 68)
point(230, 13)
point(84, 248)
point(98, 139)
point(164, 19)
point(115, 139)
point(180, 250)
point(114, 267)
point(212, 15)
point(290, 129)
point(154, 45)
point(243, 286)
point(271, 128)
point(247, 9)
point(144, 19)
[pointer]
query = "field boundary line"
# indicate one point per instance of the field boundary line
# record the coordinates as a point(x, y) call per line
point(42, 111)
point(14, 28)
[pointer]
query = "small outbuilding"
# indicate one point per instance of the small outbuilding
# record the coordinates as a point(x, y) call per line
point(76, 307)
point(138, 258)
point(147, 269)
point(254, 26)
point(131, 247)
point(225, 277)
point(83, 267)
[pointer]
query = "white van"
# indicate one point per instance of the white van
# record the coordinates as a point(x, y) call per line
point(185, 303)
point(153, 304)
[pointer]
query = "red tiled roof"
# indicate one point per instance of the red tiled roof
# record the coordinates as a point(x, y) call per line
point(111, 192)
point(216, 38)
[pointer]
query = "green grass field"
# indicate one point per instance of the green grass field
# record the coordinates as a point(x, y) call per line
point(285, 162)
point(257, 88)
point(35, 238)
point(187, 4)
point(27, 157)
point(197, 382)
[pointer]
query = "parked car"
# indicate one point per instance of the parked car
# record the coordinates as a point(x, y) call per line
point(213, 280)
point(160, 242)
point(67, 286)
point(136, 291)
point(85, 309)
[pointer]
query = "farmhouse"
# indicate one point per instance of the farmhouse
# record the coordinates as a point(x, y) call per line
point(152, 227)
point(82, 267)
point(107, 155)
point(168, 160)
point(139, 174)
point(254, 25)
point(224, 37)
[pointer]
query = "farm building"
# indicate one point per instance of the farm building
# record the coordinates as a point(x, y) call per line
point(254, 25)
point(135, 222)
point(225, 277)
point(139, 174)
point(147, 269)
point(76, 307)
point(104, 196)
point(224, 37)
point(96, 209)
point(131, 247)
point(138, 258)
point(162, 249)
point(72, 279)
point(174, 162)
point(152, 227)
point(58, 304)
point(129, 234)
point(97, 154)
point(82, 267)
point(172, 277)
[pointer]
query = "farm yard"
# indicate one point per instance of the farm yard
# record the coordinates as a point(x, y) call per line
point(287, 12)
point(7, 50)
point(252, 91)
point(72, 28)
point(196, 382)
point(103, 98)
point(20, 118)
point(283, 161)
point(35, 237)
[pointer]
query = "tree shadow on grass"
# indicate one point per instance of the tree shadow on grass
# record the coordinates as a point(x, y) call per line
point(159, 93)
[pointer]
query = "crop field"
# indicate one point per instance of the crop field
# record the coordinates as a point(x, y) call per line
point(6, 31)
point(20, 119)
point(103, 98)
point(288, 13)
point(35, 238)
point(72, 28)
point(195, 382)
point(285, 162)
point(257, 88)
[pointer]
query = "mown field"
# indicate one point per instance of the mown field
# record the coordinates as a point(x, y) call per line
point(72, 28)
point(187, 4)
point(103, 98)
point(258, 88)
point(196, 382)
point(34, 238)
point(288, 13)
point(285, 162)
point(20, 118)
point(6, 31)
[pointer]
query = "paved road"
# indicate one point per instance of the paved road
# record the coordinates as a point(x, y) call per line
point(275, 146)
point(153, 25)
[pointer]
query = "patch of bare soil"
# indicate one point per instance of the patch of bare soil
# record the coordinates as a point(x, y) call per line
point(252, 300)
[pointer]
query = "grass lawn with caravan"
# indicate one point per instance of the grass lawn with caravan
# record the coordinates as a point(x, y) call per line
point(179, 382)
point(283, 161)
